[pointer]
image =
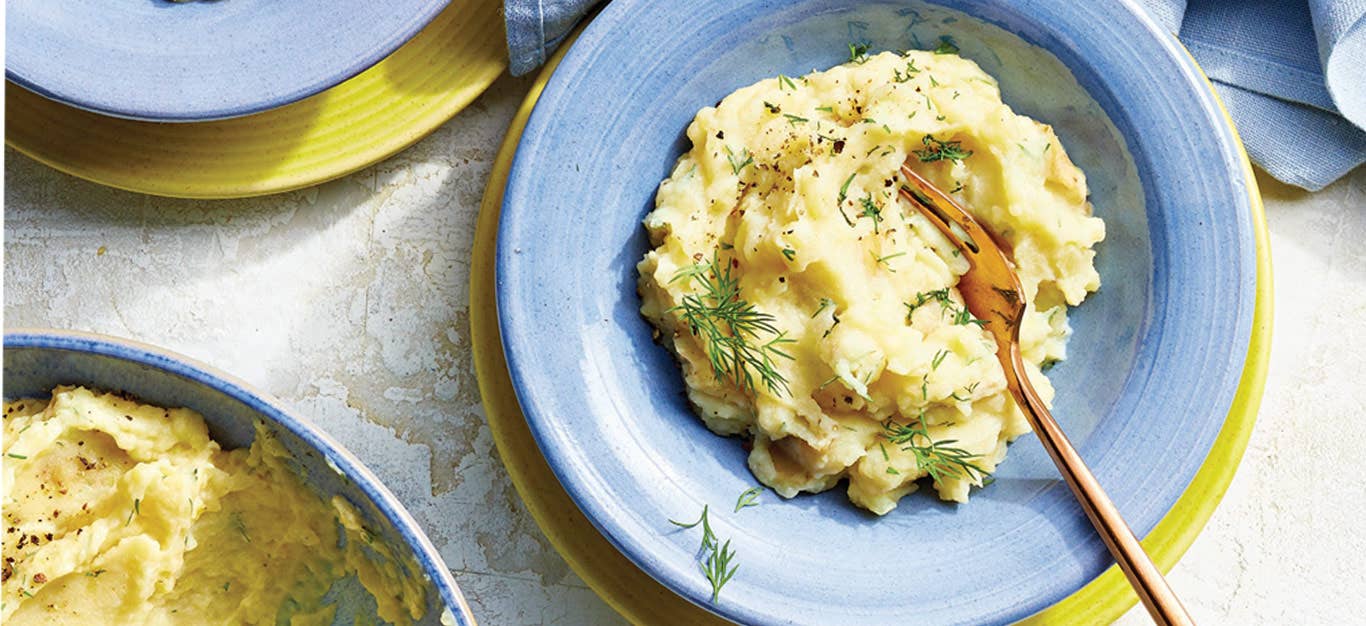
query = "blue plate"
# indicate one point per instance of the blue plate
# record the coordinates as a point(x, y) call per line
point(38, 360)
point(1154, 361)
point(199, 60)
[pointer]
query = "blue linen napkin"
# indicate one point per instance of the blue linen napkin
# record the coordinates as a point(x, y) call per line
point(1291, 72)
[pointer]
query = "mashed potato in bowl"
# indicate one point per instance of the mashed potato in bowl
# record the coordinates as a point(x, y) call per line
point(815, 313)
point(117, 512)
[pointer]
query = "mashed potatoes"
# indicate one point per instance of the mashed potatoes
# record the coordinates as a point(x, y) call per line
point(117, 512)
point(815, 312)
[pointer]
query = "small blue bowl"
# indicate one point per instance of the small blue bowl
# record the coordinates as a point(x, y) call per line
point(159, 60)
point(36, 361)
point(1154, 362)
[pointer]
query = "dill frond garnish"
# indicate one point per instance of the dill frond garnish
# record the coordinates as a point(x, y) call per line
point(936, 150)
point(795, 119)
point(714, 560)
point(938, 295)
point(964, 317)
point(938, 359)
point(871, 210)
point(946, 46)
point(938, 459)
point(736, 165)
point(858, 53)
point(883, 260)
point(825, 302)
point(844, 194)
point(911, 70)
point(785, 82)
point(740, 341)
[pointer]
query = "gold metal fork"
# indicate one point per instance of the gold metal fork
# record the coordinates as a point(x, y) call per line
point(991, 291)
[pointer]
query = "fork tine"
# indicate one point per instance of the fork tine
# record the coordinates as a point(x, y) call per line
point(937, 217)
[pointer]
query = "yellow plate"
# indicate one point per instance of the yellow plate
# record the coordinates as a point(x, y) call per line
point(357, 123)
point(642, 600)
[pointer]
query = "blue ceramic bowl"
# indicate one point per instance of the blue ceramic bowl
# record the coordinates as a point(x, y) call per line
point(36, 361)
point(202, 59)
point(1154, 361)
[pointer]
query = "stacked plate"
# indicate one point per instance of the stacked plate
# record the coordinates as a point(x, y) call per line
point(210, 99)
point(1159, 391)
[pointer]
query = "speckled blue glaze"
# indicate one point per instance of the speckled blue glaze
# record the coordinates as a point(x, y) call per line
point(36, 361)
point(1154, 361)
point(205, 59)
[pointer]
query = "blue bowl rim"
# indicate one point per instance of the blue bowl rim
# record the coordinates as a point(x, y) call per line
point(357, 65)
point(195, 371)
point(1190, 78)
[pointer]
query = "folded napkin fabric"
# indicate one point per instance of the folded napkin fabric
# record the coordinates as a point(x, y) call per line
point(1292, 73)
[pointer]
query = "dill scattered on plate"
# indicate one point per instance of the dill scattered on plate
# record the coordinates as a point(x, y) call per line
point(858, 53)
point(748, 498)
point(740, 341)
point(714, 559)
point(946, 46)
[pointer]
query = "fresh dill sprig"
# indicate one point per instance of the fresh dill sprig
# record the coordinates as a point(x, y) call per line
point(938, 295)
point(964, 317)
point(708, 537)
point(794, 120)
point(938, 359)
point(789, 253)
point(714, 560)
point(844, 194)
point(732, 329)
point(882, 260)
point(936, 150)
point(826, 109)
point(911, 71)
point(718, 570)
point(968, 389)
point(785, 82)
point(946, 46)
point(736, 166)
point(825, 302)
point(871, 210)
point(858, 53)
point(748, 498)
point(13, 455)
point(938, 459)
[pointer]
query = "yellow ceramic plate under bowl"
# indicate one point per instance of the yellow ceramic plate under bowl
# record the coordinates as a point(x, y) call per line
point(355, 124)
point(641, 599)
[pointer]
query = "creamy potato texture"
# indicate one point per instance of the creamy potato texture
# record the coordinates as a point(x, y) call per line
point(117, 512)
point(858, 359)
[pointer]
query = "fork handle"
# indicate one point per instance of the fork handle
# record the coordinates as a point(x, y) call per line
point(1152, 588)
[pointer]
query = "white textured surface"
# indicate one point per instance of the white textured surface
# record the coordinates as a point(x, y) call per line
point(350, 302)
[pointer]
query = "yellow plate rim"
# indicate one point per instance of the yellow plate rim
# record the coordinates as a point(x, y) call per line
point(353, 125)
point(1102, 600)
